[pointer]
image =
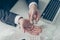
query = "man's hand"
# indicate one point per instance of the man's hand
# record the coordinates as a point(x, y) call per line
point(30, 28)
point(34, 13)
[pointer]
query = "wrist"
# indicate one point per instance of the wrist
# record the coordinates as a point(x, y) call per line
point(20, 20)
point(33, 6)
point(32, 3)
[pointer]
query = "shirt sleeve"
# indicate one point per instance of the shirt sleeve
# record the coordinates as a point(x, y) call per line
point(32, 4)
point(30, 1)
point(16, 19)
point(8, 17)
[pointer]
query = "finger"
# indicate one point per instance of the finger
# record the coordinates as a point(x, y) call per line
point(38, 17)
point(31, 18)
point(35, 17)
point(25, 30)
point(34, 33)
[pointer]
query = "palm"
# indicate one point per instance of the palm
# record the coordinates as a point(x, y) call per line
point(30, 28)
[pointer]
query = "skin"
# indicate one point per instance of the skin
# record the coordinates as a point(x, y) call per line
point(30, 28)
point(34, 13)
point(28, 24)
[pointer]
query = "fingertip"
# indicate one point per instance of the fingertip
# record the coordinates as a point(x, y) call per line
point(37, 19)
point(31, 21)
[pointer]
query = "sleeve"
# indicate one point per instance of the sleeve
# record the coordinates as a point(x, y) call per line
point(30, 1)
point(7, 17)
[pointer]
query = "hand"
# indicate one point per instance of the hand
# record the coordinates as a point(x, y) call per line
point(34, 13)
point(30, 28)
